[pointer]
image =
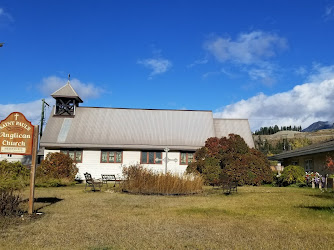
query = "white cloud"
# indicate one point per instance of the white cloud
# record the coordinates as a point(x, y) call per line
point(221, 71)
point(250, 53)
point(249, 48)
point(31, 110)
point(264, 74)
point(157, 65)
point(198, 62)
point(303, 105)
point(211, 73)
point(329, 12)
point(4, 16)
point(301, 71)
point(320, 73)
point(84, 90)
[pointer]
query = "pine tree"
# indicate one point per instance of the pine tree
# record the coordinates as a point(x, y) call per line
point(276, 129)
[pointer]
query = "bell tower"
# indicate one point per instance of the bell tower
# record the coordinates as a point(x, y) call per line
point(66, 100)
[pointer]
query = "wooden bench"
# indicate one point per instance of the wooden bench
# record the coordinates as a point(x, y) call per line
point(234, 186)
point(229, 186)
point(111, 178)
point(90, 182)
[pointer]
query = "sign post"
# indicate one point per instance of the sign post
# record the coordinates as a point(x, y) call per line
point(19, 137)
point(167, 159)
point(33, 171)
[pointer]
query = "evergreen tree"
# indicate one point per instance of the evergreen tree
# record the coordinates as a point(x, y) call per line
point(276, 129)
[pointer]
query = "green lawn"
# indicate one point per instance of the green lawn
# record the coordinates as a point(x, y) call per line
point(253, 218)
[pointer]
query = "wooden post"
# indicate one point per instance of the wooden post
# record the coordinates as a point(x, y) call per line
point(326, 184)
point(33, 170)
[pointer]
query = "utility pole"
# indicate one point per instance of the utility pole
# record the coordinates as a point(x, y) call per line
point(42, 117)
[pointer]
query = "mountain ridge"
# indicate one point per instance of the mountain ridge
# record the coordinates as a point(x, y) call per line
point(319, 125)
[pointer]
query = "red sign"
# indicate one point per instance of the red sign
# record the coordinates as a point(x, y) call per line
point(16, 135)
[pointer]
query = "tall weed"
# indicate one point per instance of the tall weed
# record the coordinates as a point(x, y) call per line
point(144, 181)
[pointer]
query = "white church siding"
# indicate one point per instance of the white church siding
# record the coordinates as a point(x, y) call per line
point(131, 158)
point(91, 163)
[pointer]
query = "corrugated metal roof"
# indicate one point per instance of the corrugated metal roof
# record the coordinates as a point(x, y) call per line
point(224, 127)
point(67, 91)
point(312, 149)
point(65, 128)
point(130, 128)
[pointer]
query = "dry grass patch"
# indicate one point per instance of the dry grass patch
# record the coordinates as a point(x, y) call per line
point(140, 180)
point(255, 217)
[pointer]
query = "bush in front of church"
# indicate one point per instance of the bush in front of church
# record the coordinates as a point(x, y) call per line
point(230, 158)
point(57, 169)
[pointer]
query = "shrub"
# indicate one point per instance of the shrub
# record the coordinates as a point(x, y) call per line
point(292, 175)
point(9, 203)
point(211, 171)
point(232, 158)
point(57, 169)
point(13, 177)
point(144, 181)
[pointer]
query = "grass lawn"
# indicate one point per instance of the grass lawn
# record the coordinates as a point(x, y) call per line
point(253, 218)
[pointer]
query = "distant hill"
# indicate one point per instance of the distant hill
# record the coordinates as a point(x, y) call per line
point(286, 140)
point(318, 126)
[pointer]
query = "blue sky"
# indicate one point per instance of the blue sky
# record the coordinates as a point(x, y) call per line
point(269, 61)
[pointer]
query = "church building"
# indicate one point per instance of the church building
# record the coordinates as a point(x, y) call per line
point(105, 140)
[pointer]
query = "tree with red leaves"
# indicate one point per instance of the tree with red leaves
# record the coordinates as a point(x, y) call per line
point(232, 158)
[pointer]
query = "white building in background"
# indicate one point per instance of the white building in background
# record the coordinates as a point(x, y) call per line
point(25, 159)
point(104, 140)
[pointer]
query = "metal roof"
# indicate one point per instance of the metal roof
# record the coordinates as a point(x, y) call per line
point(224, 127)
point(139, 129)
point(67, 91)
point(312, 149)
